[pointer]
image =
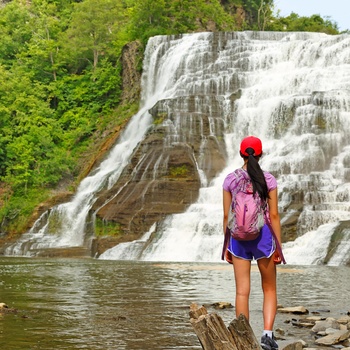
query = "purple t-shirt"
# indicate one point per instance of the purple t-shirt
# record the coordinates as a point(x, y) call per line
point(229, 181)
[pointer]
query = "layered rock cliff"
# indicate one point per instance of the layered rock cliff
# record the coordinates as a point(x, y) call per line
point(163, 177)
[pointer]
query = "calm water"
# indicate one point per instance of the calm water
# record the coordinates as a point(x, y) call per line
point(92, 304)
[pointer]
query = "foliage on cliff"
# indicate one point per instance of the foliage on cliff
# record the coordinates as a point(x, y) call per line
point(61, 86)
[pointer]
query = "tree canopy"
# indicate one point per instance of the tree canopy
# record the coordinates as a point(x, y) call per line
point(295, 23)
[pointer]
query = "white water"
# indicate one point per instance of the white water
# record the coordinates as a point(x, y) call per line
point(65, 225)
point(308, 149)
point(307, 72)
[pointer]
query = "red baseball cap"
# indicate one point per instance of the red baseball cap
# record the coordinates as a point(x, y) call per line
point(251, 142)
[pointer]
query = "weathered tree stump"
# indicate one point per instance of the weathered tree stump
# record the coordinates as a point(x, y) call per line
point(214, 335)
point(243, 334)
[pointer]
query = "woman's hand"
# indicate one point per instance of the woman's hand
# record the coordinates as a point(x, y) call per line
point(276, 258)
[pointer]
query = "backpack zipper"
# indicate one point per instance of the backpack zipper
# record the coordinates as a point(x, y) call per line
point(245, 210)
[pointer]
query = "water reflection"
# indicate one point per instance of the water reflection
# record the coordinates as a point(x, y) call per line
point(93, 304)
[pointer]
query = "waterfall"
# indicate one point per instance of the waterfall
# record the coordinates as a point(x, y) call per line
point(289, 89)
point(65, 224)
point(294, 94)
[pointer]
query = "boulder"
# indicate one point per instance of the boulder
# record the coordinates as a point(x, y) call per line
point(321, 326)
point(333, 338)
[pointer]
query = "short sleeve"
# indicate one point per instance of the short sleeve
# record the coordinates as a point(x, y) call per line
point(228, 181)
point(271, 181)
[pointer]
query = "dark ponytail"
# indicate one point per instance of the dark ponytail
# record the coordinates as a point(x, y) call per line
point(256, 174)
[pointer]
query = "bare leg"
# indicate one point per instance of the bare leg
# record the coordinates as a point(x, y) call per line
point(241, 270)
point(269, 285)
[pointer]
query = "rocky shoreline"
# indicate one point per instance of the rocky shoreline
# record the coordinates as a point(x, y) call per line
point(308, 330)
point(316, 329)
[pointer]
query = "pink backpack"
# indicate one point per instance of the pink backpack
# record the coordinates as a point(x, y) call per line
point(247, 210)
point(249, 214)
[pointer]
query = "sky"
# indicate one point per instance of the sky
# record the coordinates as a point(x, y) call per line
point(336, 10)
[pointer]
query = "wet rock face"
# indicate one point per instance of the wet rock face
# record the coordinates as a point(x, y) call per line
point(162, 177)
point(338, 244)
point(156, 183)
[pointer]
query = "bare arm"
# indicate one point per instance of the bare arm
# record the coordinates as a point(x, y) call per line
point(227, 199)
point(274, 214)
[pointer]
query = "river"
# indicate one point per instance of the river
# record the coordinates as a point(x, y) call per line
point(96, 304)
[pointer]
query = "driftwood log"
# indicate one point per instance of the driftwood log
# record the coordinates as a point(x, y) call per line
point(214, 335)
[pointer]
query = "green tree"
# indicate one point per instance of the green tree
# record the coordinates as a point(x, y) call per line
point(164, 17)
point(211, 12)
point(294, 22)
point(42, 54)
point(15, 31)
point(264, 14)
point(29, 133)
point(148, 18)
point(258, 13)
point(94, 27)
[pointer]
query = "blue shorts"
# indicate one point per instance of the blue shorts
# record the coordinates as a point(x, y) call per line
point(261, 247)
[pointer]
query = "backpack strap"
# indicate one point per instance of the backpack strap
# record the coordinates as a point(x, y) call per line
point(225, 245)
point(239, 179)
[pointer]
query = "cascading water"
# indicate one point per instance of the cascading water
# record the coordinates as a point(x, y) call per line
point(291, 90)
point(294, 94)
point(64, 225)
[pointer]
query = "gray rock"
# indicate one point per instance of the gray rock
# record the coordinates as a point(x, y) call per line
point(321, 326)
point(333, 338)
point(298, 345)
point(344, 319)
point(299, 310)
point(222, 305)
point(315, 318)
point(331, 330)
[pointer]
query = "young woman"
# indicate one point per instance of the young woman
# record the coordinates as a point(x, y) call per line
point(263, 248)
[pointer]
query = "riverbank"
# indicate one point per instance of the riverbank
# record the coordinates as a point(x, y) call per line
point(325, 331)
point(305, 329)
